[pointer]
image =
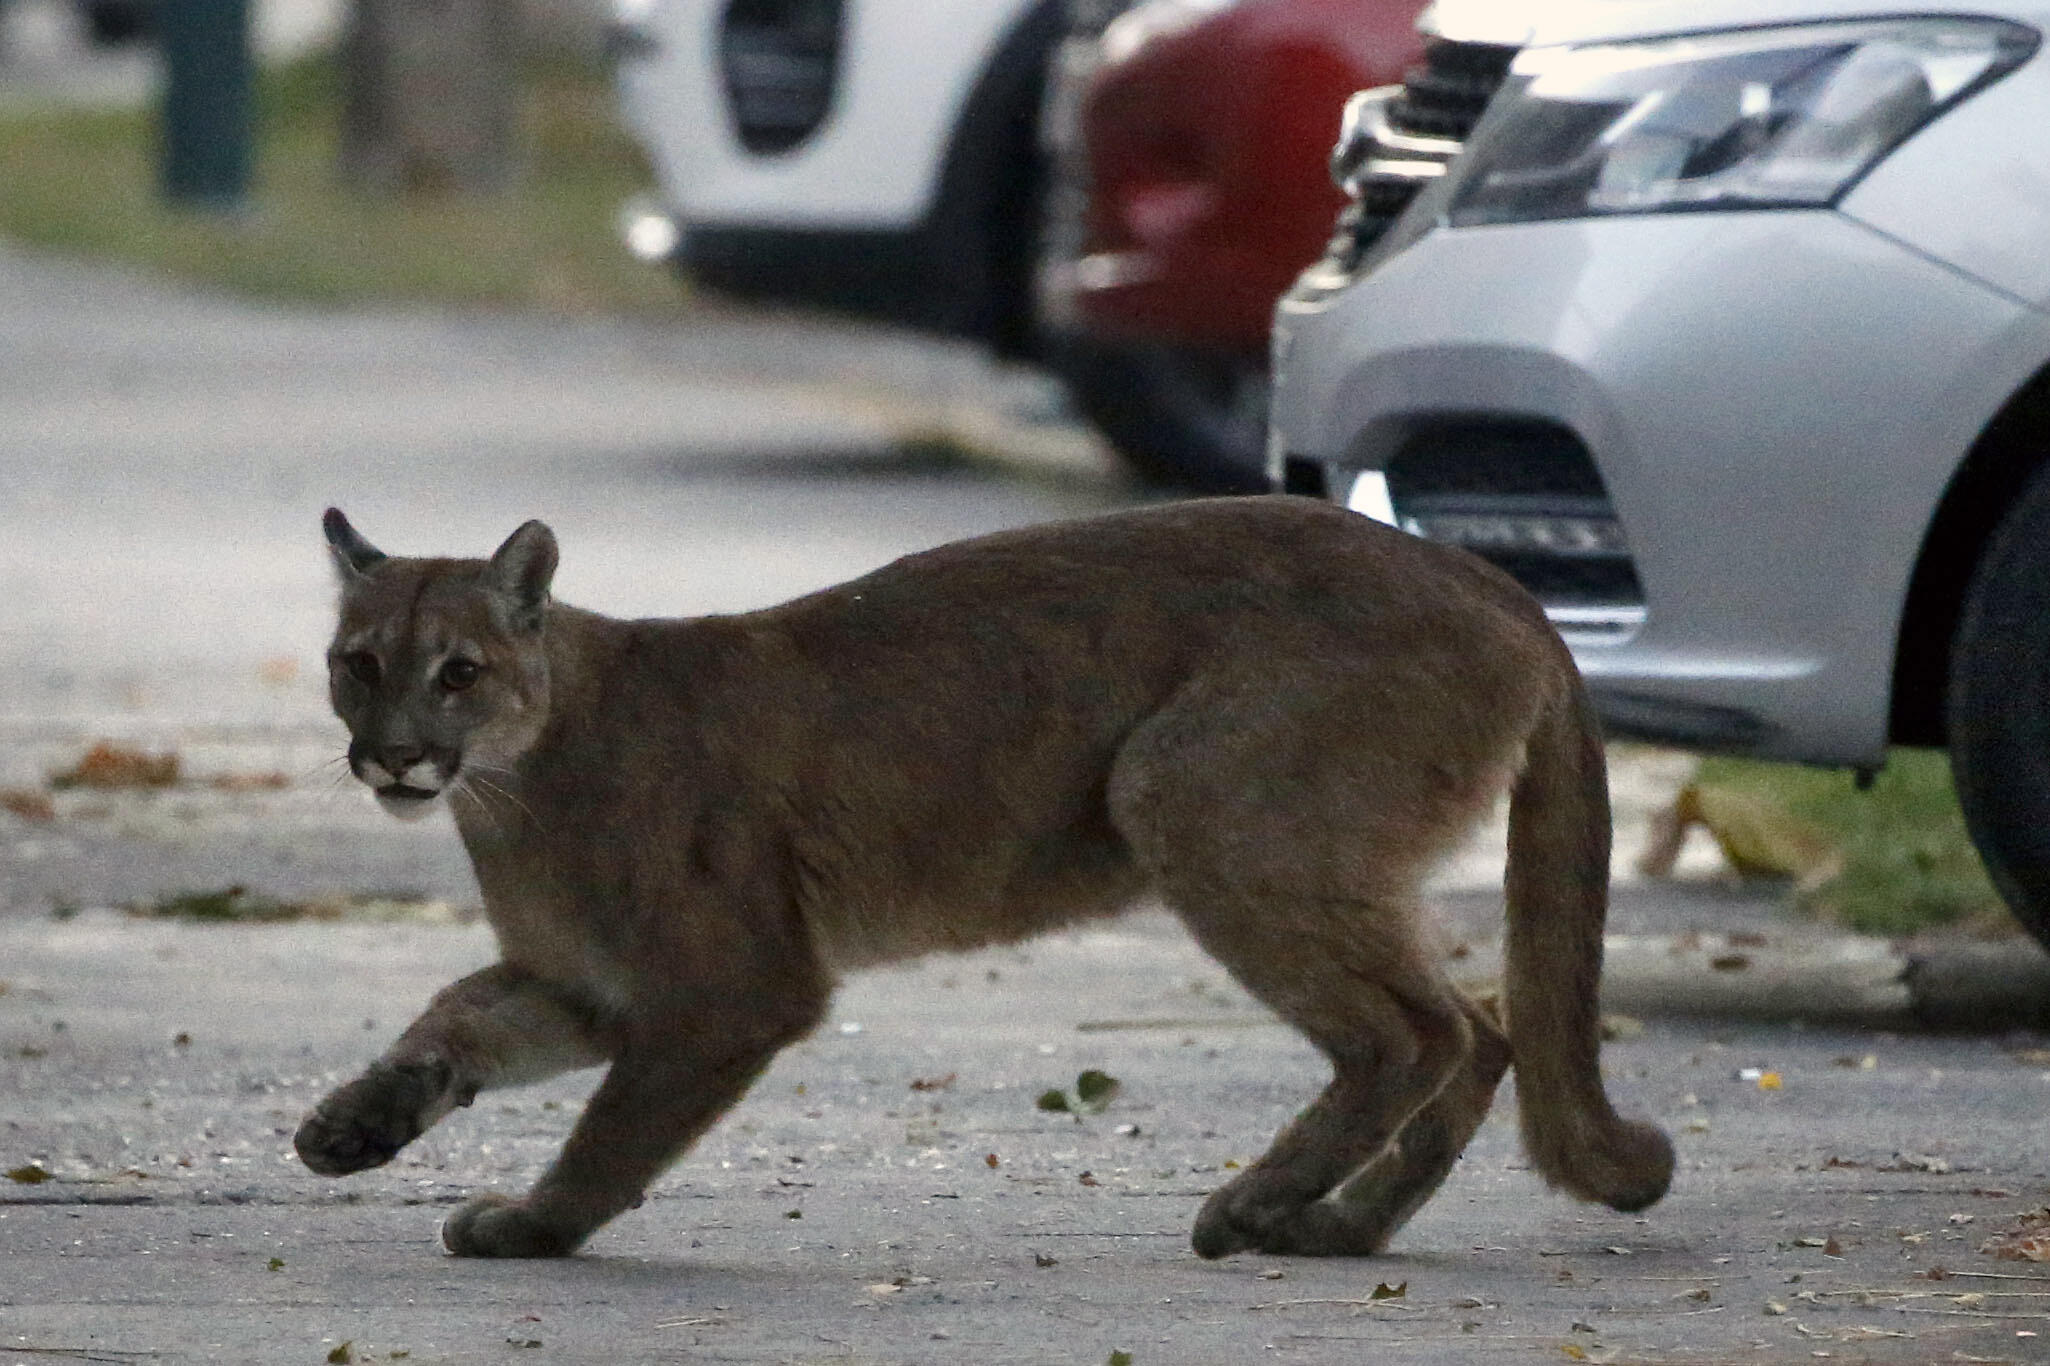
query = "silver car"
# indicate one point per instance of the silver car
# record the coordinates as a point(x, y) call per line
point(1725, 327)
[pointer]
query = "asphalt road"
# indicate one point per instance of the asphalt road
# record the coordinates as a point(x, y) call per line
point(163, 462)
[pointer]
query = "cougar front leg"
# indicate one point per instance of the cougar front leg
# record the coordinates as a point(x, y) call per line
point(666, 1087)
point(497, 1027)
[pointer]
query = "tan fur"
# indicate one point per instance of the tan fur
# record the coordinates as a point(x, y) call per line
point(1274, 714)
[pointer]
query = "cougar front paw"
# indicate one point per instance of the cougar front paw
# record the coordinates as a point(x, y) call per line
point(494, 1226)
point(365, 1123)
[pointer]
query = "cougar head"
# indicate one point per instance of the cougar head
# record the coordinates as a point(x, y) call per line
point(438, 667)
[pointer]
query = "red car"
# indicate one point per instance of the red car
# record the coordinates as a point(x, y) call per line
point(1191, 141)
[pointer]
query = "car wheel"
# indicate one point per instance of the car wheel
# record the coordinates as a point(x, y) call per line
point(1999, 708)
point(1178, 416)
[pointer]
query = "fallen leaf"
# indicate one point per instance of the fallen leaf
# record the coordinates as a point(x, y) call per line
point(275, 1264)
point(1832, 1248)
point(1621, 1028)
point(107, 765)
point(26, 805)
point(989, 1160)
point(932, 1083)
point(249, 782)
point(1055, 1101)
point(1770, 1081)
point(1096, 1089)
point(2026, 1240)
point(1385, 1291)
point(1730, 962)
point(1918, 1162)
point(1041, 1260)
point(33, 1174)
point(793, 1214)
point(1089, 1179)
point(343, 1354)
point(1119, 1358)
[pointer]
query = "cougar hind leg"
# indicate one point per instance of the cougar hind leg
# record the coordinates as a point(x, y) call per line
point(1392, 1030)
point(1297, 865)
point(1368, 1210)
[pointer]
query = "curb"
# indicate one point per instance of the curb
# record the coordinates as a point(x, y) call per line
point(1842, 980)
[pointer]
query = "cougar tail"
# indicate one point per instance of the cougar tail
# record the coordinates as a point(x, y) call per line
point(1558, 899)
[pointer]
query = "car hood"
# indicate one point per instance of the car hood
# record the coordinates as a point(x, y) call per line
point(1519, 23)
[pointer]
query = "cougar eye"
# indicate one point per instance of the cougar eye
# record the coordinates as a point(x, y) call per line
point(459, 674)
point(362, 666)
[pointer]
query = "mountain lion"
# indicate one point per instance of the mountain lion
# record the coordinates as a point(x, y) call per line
point(1271, 713)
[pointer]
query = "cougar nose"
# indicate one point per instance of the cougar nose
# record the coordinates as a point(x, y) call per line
point(396, 759)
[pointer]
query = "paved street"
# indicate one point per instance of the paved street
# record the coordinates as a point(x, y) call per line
point(890, 1191)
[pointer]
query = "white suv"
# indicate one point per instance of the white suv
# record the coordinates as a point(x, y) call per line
point(879, 158)
point(1725, 327)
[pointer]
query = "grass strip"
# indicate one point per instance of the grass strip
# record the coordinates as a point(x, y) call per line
point(1908, 863)
point(84, 182)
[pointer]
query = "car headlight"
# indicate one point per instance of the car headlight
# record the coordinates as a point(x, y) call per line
point(1763, 118)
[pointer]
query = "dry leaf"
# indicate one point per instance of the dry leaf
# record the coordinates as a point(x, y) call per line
point(249, 782)
point(26, 805)
point(2027, 1240)
point(107, 765)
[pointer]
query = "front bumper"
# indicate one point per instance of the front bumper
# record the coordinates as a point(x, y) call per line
point(1770, 406)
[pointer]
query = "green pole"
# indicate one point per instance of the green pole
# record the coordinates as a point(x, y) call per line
point(207, 116)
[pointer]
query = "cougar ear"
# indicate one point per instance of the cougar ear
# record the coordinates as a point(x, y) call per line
point(522, 569)
point(354, 557)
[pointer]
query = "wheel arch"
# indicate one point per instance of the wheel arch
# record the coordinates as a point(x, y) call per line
point(2013, 447)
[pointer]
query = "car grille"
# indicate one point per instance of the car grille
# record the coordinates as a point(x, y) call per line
point(780, 60)
point(1401, 137)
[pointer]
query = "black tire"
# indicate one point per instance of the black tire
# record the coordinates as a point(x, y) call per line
point(1180, 417)
point(1999, 707)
